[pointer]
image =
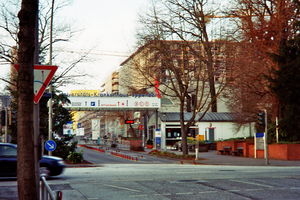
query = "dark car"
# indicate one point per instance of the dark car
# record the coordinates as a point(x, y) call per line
point(49, 165)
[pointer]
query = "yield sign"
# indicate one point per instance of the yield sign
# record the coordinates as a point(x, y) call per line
point(42, 77)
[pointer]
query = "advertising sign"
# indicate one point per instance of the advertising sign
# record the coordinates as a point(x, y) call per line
point(95, 135)
point(157, 133)
point(80, 132)
point(68, 129)
point(259, 141)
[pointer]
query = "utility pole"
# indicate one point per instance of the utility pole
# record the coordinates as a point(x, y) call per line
point(36, 111)
point(266, 138)
point(50, 87)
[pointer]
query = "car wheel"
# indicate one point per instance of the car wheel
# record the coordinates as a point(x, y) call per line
point(44, 171)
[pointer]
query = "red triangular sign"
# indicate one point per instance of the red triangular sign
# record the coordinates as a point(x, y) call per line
point(42, 77)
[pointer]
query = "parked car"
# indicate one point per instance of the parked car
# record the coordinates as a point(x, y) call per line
point(49, 165)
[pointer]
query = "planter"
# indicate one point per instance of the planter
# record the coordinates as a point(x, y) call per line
point(204, 147)
point(149, 146)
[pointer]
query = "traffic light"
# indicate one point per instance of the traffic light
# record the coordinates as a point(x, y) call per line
point(12, 117)
point(3, 118)
point(261, 119)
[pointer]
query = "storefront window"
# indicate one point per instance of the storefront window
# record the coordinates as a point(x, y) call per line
point(173, 133)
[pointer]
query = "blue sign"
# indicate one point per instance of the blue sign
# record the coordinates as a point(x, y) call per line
point(79, 125)
point(259, 135)
point(50, 145)
point(158, 140)
point(93, 103)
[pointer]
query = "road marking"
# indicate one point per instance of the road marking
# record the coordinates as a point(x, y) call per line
point(122, 188)
point(207, 192)
point(194, 172)
point(234, 190)
point(93, 198)
point(142, 195)
point(250, 183)
point(253, 189)
point(167, 194)
point(132, 180)
point(295, 188)
point(184, 193)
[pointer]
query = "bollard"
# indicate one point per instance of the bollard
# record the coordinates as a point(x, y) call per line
point(194, 162)
point(136, 159)
point(58, 195)
point(181, 163)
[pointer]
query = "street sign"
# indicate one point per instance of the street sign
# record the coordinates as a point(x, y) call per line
point(5, 100)
point(141, 127)
point(50, 145)
point(42, 77)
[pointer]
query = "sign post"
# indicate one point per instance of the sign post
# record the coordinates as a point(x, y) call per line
point(158, 138)
point(5, 101)
point(42, 77)
point(50, 145)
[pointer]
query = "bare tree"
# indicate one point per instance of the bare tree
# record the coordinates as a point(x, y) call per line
point(26, 164)
point(62, 32)
point(176, 50)
point(261, 27)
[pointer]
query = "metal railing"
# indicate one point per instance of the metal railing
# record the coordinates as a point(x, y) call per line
point(47, 193)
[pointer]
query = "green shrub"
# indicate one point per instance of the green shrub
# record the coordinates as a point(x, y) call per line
point(136, 148)
point(149, 142)
point(64, 147)
point(133, 147)
point(113, 145)
point(75, 157)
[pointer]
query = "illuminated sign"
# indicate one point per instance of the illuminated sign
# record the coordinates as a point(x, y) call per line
point(131, 121)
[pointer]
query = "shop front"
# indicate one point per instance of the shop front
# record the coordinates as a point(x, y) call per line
point(212, 127)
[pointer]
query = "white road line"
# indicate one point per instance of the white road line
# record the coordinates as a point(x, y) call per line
point(184, 193)
point(207, 192)
point(194, 172)
point(142, 195)
point(167, 194)
point(127, 180)
point(250, 183)
point(295, 188)
point(121, 188)
point(253, 189)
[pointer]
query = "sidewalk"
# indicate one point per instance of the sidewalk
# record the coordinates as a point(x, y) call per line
point(212, 158)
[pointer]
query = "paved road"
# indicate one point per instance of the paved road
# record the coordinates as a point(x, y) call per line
point(173, 181)
point(97, 157)
point(230, 177)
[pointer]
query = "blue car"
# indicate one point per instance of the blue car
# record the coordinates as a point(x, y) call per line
point(49, 165)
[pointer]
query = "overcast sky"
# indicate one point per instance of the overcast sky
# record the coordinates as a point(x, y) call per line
point(108, 25)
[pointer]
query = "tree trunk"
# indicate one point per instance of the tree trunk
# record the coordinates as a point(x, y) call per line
point(26, 165)
point(212, 88)
point(183, 130)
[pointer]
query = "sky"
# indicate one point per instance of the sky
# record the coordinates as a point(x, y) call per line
point(108, 27)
